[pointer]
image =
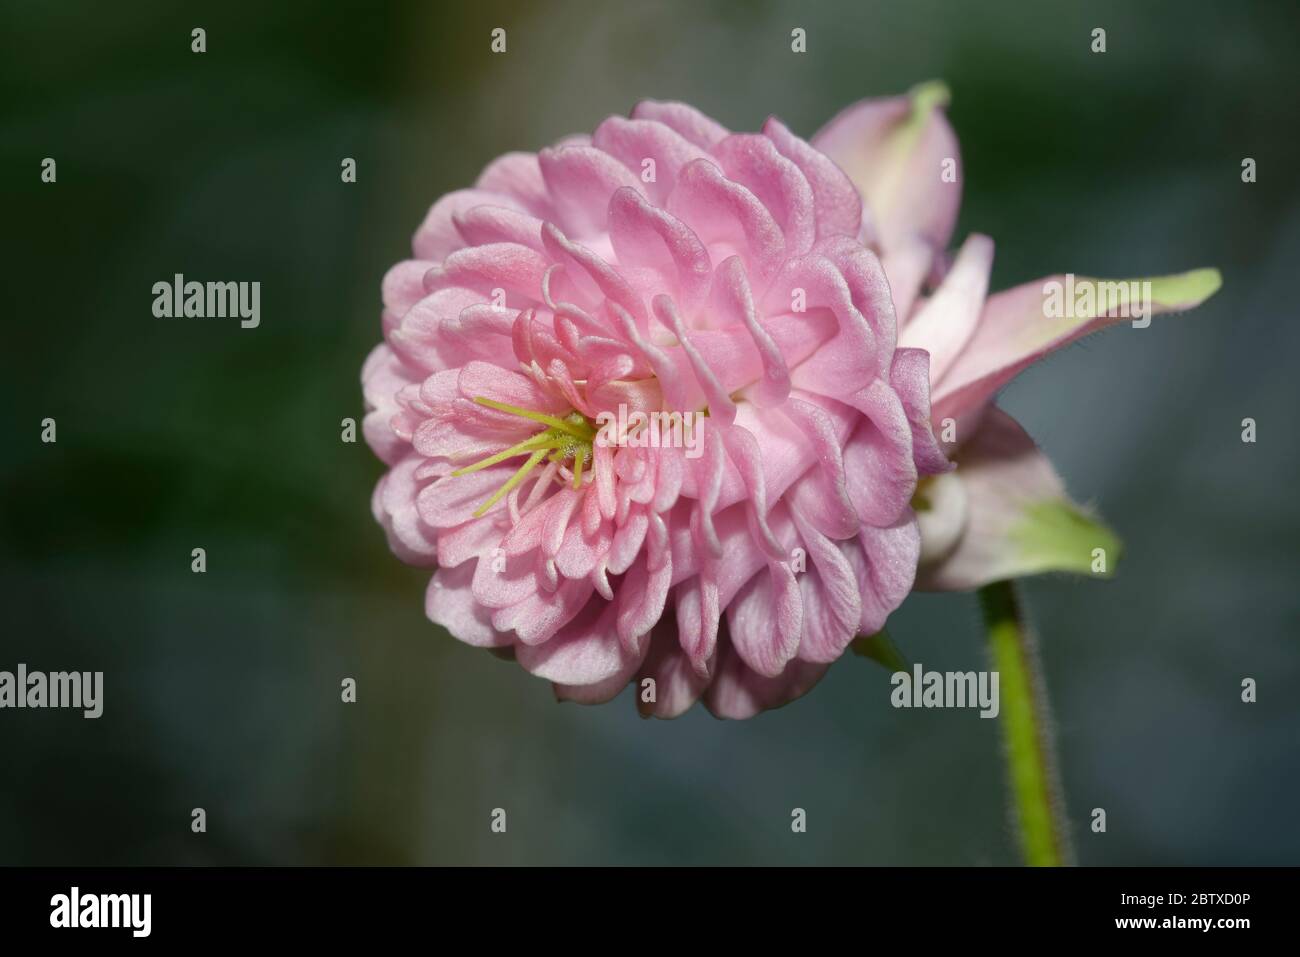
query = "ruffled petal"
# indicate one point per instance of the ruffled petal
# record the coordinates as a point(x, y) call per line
point(884, 560)
point(737, 692)
point(449, 601)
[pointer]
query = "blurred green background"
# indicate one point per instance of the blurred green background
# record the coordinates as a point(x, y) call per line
point(222, 690)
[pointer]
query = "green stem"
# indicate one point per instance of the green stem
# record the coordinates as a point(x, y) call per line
point(1038, 808)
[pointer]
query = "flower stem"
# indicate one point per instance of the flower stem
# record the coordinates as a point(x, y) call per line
point(1038, 808)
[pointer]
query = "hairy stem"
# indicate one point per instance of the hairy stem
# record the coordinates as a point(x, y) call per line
point(1038, 807)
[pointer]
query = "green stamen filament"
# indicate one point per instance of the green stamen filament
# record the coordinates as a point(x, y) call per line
point(541, 440)
point(579, 429)
point(570, 437)
point(511, 482)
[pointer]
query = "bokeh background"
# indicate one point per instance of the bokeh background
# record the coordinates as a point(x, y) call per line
point(222, 690)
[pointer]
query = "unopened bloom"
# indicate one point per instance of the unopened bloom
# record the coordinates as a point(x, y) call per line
point(662, 266)
point(1002, 512)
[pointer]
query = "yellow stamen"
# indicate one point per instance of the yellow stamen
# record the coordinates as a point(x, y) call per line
point(570, 437)
point(511, 482)
point(542, 440)
point(578, 431)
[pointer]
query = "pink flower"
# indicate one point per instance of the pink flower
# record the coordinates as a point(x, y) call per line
point(661, 265)
point(1003, 511)
point(665, 265)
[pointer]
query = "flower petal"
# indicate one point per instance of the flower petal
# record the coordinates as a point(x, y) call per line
point(879, 466)
point(737, 692)
point(676, 684)
point(945, 322)
point(895, 150)
point(1015, 330)
point(450, 602)
point(765, 620)
point(885, 561)
point(839, 207)
point(909, 377)
point(584, 652)
point(686, 120)
point(437, 236)
point(1019, 520)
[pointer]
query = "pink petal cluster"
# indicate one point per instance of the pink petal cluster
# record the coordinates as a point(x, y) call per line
point(663, 264)
point(1003, 511)
point(798, 295)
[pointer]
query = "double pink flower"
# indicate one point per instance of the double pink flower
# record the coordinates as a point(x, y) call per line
point(795, 295)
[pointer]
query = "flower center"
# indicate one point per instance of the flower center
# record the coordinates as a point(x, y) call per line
point(564, 439)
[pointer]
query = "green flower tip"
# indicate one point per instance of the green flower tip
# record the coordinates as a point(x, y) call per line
point(928, 96)
point(1186, 290)
point(1056, 536)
